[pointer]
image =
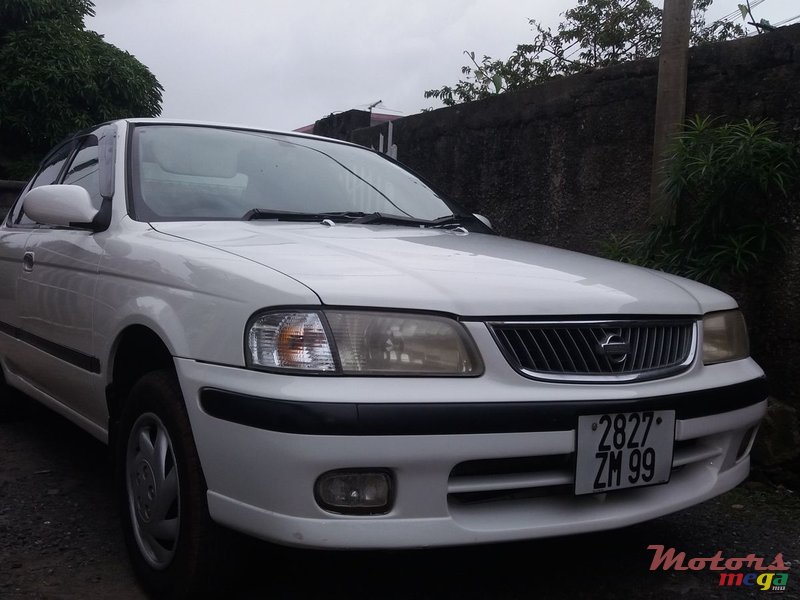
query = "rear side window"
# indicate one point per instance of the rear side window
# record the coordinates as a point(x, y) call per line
point(51, 169)
point(84, 170)
point(47, 175)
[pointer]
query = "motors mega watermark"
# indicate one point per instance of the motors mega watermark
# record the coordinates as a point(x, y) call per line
point(751, 571)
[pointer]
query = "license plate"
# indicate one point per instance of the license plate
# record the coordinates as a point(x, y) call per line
point(623, 450)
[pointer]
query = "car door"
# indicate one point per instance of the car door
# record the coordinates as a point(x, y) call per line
point(14, 235)
point(56, 295)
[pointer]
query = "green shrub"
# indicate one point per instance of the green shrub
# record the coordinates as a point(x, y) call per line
point(730, 183)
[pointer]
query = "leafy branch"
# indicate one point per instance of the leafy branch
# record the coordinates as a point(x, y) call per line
point(593, 35)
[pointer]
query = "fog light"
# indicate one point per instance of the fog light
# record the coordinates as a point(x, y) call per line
point(355, 492)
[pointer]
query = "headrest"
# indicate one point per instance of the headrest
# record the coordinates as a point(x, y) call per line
point(190, 153)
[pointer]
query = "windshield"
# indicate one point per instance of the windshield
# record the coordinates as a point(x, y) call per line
point(195, 172)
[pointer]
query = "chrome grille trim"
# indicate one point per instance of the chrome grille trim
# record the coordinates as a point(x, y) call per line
point(496, 479)
point(516, 481)
point(565, 351)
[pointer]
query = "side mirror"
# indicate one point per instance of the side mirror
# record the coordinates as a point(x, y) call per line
point(60, 205)
point(483, 220)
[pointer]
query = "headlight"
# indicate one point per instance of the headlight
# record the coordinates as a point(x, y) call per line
point(361, 343)
point(724, 337)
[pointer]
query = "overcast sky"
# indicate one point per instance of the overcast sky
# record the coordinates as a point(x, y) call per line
point(285, 64)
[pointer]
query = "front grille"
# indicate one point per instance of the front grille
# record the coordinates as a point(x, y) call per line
point(597, 350)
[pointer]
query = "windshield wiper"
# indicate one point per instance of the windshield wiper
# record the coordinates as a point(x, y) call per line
point(452, 221)
point(466, 222)
point(290, 215)
point(446, 221)
point(357, 218)
point(389, 219)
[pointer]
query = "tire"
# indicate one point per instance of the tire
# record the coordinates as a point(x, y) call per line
point(172, 542)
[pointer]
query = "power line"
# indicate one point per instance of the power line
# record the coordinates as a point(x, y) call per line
point(737, 13)
point(786, 21)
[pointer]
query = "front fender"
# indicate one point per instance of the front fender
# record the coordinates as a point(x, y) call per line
point(196, 298)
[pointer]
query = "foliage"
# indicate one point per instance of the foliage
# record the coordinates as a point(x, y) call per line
point(58, 77)
point(728, 181)
point(593, 35)
point(18, 14)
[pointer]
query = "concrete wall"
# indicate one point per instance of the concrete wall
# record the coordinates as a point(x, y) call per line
point(339, 125)
point(568, 163)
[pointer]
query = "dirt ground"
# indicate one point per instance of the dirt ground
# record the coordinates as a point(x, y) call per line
point(60, 539)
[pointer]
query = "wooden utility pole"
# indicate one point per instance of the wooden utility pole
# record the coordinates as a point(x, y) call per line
point(670, 97)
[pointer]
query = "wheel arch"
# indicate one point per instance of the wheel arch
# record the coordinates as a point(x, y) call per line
point(136, 351)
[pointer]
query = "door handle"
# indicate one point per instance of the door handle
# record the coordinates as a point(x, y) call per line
point(27, 262)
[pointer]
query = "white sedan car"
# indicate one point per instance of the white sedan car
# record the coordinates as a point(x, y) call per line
point(299, 339)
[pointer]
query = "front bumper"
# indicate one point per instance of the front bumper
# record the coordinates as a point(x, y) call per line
point(453, 462)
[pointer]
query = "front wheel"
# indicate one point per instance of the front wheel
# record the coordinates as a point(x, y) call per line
point(171, 540)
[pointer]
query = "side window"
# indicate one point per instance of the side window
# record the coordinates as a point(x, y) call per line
point(47, 175)
point(84, 170)
point(49, 172)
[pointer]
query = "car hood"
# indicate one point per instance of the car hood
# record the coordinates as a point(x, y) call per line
point(449, 271)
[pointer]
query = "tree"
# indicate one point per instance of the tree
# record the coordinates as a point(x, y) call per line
point(57, 77)
point(593, 35)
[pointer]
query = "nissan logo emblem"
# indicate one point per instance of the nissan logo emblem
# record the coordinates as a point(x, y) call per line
point(614, 348)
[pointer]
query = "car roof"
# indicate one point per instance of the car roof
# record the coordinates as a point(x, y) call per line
point(196, 123)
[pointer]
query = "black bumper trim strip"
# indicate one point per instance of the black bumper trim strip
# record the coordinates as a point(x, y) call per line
point(445, 418)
